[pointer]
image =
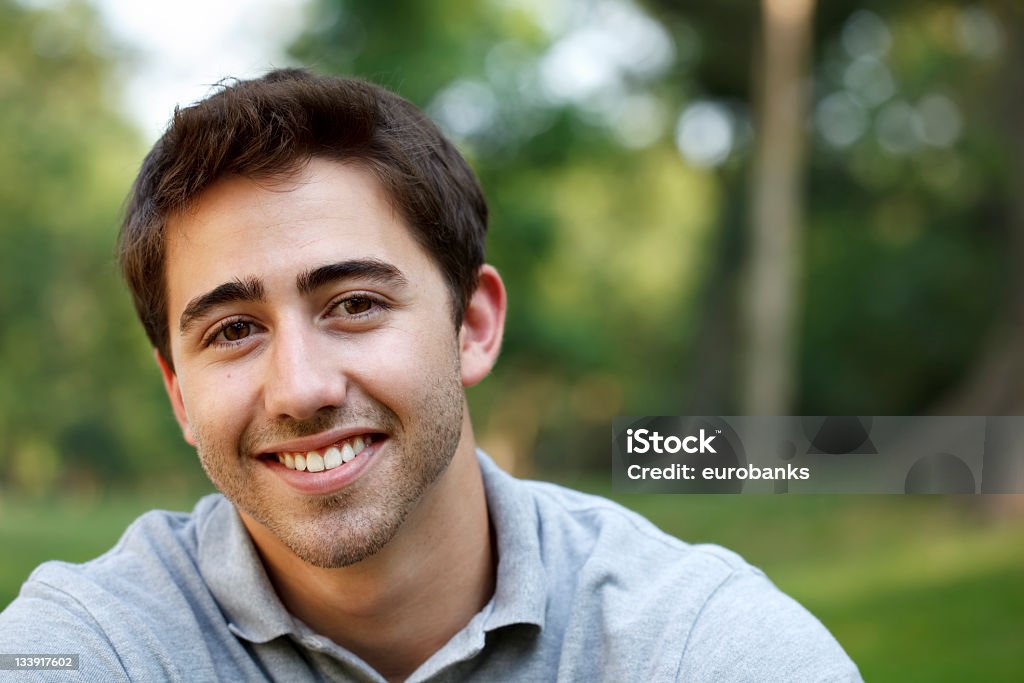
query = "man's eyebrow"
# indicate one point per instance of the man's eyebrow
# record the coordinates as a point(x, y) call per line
point(373, 270)
point(250, 289)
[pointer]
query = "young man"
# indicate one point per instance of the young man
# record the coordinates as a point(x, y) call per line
point(307, 258)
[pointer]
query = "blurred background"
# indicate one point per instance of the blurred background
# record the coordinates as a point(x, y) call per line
point(738, 207)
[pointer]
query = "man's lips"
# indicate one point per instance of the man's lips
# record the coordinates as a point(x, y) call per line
point(335, 455)
point(325, 471)
point(322, 441)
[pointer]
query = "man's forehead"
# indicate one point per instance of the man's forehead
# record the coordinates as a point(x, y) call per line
point(345, 197)
point(276, 229)
point(306, 193)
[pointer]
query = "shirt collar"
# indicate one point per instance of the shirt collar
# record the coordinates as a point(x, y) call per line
point(235, 575)
point(520, 592)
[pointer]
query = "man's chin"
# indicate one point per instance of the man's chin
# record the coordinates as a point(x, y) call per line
point(341, 539)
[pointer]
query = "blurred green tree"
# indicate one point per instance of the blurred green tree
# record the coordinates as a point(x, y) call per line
point(622, 250)
point(909, 251)
point(73, 409)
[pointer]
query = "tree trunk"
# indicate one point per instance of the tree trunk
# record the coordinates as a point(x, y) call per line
point(772, 301)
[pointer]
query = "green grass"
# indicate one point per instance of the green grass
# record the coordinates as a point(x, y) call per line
point(915, 588)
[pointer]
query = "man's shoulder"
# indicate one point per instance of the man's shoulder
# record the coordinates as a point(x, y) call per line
point(594, 526)
point(157, 543)
point(133, 597)
point(616, 561)
point(684, 611)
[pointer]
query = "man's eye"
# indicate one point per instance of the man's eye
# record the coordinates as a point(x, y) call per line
point(357, 305)
point(237, 330)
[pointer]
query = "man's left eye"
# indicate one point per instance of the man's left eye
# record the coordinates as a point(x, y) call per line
point(357, 305)
point(237, 331)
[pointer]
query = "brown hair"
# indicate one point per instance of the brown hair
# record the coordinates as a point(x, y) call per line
point(269, 127)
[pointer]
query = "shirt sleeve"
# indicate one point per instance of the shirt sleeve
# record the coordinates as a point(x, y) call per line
point(748, 630)
point(44, 620)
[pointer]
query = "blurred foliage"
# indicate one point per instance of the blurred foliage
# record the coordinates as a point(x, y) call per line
point(78, 404)
point(621, 245)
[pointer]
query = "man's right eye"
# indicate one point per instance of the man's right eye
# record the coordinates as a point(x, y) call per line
point(230, 332)
point(357, 305)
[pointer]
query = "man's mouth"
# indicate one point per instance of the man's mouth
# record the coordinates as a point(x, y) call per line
point(329, 457)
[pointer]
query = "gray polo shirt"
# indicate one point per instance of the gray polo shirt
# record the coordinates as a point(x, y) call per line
point(586, 591)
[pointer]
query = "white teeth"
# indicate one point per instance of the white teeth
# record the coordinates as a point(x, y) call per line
point(332, 458)
point(314, 462)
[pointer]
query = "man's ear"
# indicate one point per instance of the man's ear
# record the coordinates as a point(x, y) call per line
point(483, 325)
point(174, 393)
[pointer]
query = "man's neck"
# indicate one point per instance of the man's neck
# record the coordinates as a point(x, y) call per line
point(399, 606)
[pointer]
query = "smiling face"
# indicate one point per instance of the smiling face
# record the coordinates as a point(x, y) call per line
point(308, 327)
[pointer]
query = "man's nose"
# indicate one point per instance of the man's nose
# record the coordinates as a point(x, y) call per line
point(301, 378)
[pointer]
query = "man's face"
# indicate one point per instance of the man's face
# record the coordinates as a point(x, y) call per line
point(306, 321)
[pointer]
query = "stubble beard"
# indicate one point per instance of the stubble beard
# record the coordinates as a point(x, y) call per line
point(353, 524)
